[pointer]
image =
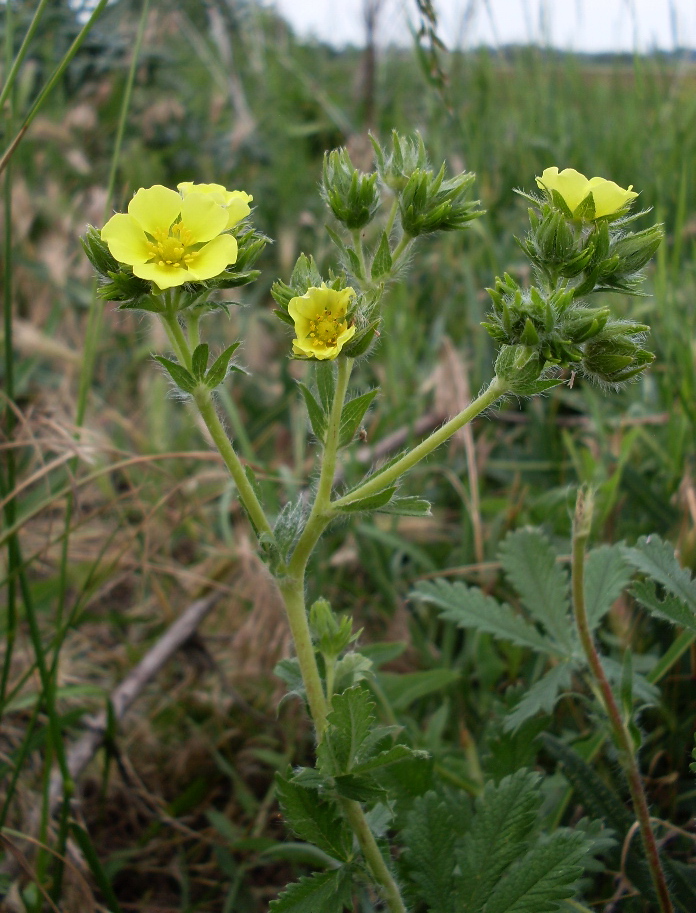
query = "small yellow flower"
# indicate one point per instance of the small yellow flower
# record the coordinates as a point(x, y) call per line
point(320, 322)
point(236, 202)
point(574, 187)
point(169, 239)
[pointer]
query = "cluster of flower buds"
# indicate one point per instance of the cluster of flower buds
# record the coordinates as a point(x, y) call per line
point(352, 196)
point(578, 244)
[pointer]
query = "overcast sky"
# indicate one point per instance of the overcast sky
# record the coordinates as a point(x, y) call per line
point(579, 25)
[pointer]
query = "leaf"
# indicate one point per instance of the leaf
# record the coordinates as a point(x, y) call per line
point(353, 414)
point(468, 607)
point(542, 878)
point(325, 375)
point(382, 262)
point(199, 361)
point(324, 892)
point(403, 689)
point(218, 370)
point(92, 858)
point(392, 755)
point(430, 838)
point(606, 576)
point(505, 817)
point(359, 789)
point(655, 558)
point(669, 609)
point(317, 417)
point(409, 506)
point(349, 724)
point(315, 820)
point(531, 567)
point(288, 526)
point(540, 697)
point(181, 377)
point(372, 502)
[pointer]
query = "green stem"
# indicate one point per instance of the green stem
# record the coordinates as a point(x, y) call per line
point(581, 530)
point(400, 248)
point(193, 326)
point(360, 250)
point(21, 53)
point(176, 335)
point(380, 872)
point(381, 480)
point(392, 216)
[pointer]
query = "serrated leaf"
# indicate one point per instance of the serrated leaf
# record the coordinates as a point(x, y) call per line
point(317, 417)
point(382, 262)
point(324, 892)
point(505, 817)
point(348, 726)
point(199, 361)
point(181, 377)
point(352, 415)
point(403, 689)
point(668, 608)
point(468, 607)
point(359, 789)
point(655, 558)
point(325, 374)
point(540, 697)
point(314, 819)
point(542, 878)
point(350, 669)
point(218, 369)
point(430, 838)
point(373, 502)
point(606, 576)
point(531, 567)
point(409, 506)
point(393, 755)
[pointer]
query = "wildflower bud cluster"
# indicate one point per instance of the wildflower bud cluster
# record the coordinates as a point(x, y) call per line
point(578, 244)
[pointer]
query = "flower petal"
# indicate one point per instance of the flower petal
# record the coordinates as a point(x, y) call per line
point(213, 258)
point(237, 206)
point(155, 208)
point(126, 239)
point(571, 185)
point(163, 276)
point(202, 216)
point(609, 197)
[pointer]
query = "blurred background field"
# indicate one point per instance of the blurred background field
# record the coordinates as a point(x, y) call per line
point(124, 517)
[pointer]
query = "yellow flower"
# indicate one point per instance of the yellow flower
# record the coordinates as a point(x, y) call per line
point(171, 240)
point(574, 187)
point(236, 202)
point(320, 322)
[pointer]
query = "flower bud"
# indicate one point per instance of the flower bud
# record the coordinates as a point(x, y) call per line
point(406, 156)
point(616, 355)
point(429, 203)
point(330, 633)
point(352, 196)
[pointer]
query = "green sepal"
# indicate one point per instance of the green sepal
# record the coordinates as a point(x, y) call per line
point(98, 252)
point(382, 262)
point(360, 343)
point(352, 415)
point(181, 377)
point(199, 361)
point(409, 506)
point(372, 502)
point(560, 203)
point(317, 416)
point(219, 368)
point(586, 209)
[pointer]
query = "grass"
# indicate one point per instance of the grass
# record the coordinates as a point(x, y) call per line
point(120, 516)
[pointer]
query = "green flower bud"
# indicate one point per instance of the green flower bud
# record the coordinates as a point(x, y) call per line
point(429, 203)
point(352, 196)
point(406, 156)
point(331, 634)
point(616, 355)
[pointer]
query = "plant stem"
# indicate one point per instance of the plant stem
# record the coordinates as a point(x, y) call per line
point(381, 480)
point(380, 872)
point(360, 250)
point(582, 523)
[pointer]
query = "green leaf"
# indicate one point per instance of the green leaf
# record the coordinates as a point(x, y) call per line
point(359, 789)
point(199, 361)
point(92, 858)
point(656, 559)
point(545, 876)
point(372, 502)
point(218, 370)
point(315, 820)
point(393, 755)
point(382, 262)
point(430, 838)
point(325, 375)
point(468, 607)
point(352, 415)
point(403, 689)
point(669, 608)
point(540, 697)
point(606, 576)
point(531, 567)
point(324, 892)
point(409, 506)
point(181, 377)
point(360, 343)
point(289, 525)
point(349, 724)
point(317, 416)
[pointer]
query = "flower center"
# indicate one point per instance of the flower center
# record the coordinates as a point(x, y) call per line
point(170, 247)
point(325, 328)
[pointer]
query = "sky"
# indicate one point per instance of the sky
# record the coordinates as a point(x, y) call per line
point(578, 25)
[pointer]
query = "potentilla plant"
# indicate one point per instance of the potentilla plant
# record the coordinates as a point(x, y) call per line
point(170, 255)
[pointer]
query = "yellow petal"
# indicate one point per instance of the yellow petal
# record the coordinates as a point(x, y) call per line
point(571, 185)
point(163, 276)
point(202, 216)
point(237, 205)
point(609, 197)
point(155, 208)
point(213, 258)
point(126, 239)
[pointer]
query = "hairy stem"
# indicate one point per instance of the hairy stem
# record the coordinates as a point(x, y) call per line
point(581, 530)
point(378, 867)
